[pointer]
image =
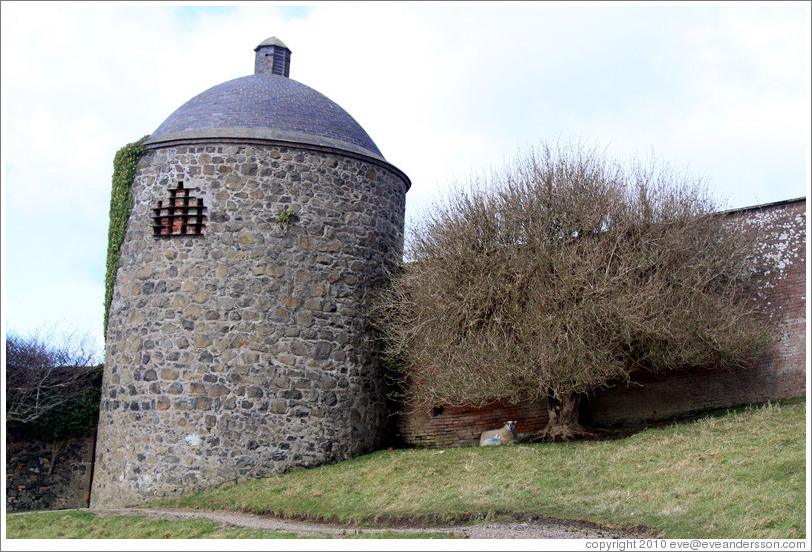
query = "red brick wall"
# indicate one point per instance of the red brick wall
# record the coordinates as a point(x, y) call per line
point(453, 426)
point(779, 373)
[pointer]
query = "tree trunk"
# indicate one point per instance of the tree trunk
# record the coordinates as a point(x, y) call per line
point(563, 424)
point(56, 449)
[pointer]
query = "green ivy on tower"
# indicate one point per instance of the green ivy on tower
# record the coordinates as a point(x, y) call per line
point(125, 165)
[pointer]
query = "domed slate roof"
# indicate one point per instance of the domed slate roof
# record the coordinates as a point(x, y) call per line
point(267, 105)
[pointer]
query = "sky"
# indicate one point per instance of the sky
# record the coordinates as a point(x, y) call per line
point(446, 90)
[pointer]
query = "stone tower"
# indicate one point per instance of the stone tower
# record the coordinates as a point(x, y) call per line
point(237, 342)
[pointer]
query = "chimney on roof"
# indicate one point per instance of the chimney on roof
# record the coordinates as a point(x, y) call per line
point(272, 57)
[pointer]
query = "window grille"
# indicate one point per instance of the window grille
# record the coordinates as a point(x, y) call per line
point(182, 215)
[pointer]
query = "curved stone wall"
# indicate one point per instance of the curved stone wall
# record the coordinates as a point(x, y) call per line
point(245, 351)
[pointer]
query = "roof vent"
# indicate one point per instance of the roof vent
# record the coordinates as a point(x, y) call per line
point(272, 57)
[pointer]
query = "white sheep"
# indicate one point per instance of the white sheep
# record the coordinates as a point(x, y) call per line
point(504, 436)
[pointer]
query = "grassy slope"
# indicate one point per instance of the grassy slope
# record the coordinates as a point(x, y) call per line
point(740, 475)
point(735, 476)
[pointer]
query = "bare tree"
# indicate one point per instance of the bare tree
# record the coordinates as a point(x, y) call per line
point(45, 371)
point(562, 273)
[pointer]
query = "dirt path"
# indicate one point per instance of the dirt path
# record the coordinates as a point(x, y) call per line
point(531, 529)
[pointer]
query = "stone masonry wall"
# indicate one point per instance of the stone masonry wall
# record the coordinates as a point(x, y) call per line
point(38, 476)
point(779, 373)
point(245, 351)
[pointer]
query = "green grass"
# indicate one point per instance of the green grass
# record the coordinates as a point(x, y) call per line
point(735, 475)
point(740, 475)
point(86, 525)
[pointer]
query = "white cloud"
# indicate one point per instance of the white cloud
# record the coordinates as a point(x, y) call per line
point(444, 91)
